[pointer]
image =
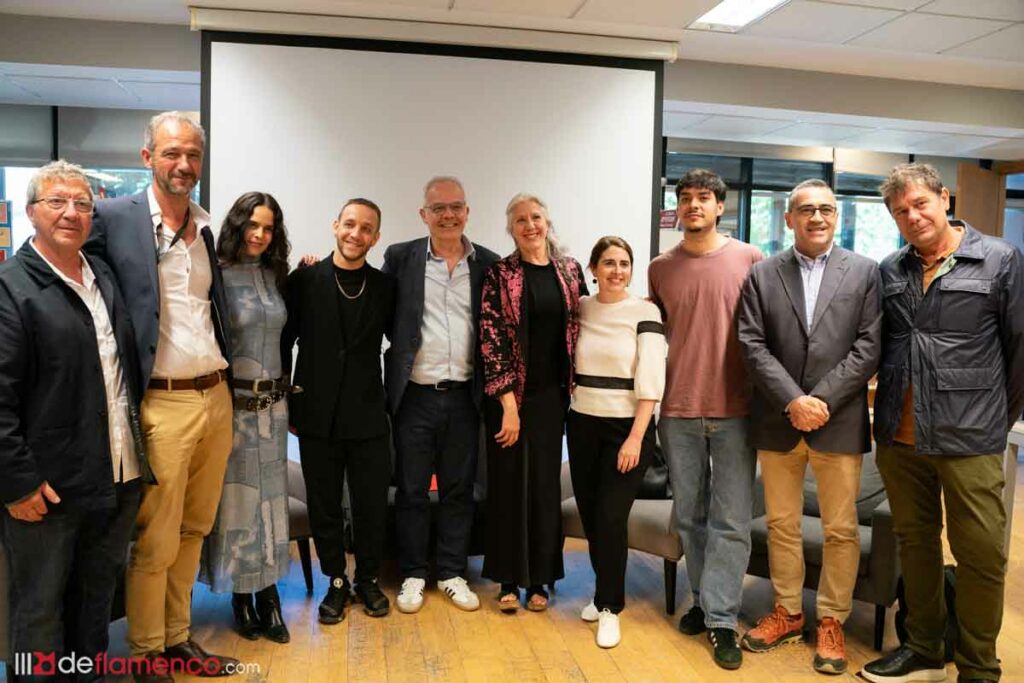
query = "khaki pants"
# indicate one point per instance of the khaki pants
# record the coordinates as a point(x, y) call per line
point(971, 487)
point(188, 440)
point(838, 479)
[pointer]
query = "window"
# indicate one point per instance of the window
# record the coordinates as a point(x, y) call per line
point(866, 222)
point(786, 173)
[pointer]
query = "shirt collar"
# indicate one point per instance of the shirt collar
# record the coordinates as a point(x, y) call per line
point(199, 214)
point(87, 276)
point(468, 250)
point(961, 231)
point(809, 262)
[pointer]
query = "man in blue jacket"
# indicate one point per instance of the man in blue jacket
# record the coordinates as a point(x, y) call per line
point(950, 387)
point(71, 455)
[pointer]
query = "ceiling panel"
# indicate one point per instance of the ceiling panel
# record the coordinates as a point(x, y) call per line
point(83, 92)
point(670, 13)
point(157, 11)
point(1007, 45)
point(902, 5)
point(544, 8)
point(1008, 10)
point(820, 22)
point(674, 123)
point(738, 127)
point(813, 134)
point(888, 140)
point(927, 32)
point(164, 96)
point(12, 94)
point(1009, 150)
point(957, 145)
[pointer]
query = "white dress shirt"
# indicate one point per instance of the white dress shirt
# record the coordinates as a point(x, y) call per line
point(122, 446)
point(811, 272)
point(187, 346)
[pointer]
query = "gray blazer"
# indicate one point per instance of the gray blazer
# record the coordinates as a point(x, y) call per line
point(407, 262)
point(833, 360)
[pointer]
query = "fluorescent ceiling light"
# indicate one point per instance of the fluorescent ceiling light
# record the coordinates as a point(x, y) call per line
point(732, 15)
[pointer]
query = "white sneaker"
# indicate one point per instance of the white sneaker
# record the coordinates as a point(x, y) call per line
point(458, 591)
point(410, 598)
point(608, 629)
point(589, 612)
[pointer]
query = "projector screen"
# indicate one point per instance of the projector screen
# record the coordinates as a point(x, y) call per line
point(315, 122)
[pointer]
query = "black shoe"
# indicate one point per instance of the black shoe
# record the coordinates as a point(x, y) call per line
point(726, 650)
point(268, 607)
point(332, 609)
point(903, 664)
point(189, 653)
point(692, 623)
point(247, 623)
point(151, 668)
point(375, 603)
point(961, 679)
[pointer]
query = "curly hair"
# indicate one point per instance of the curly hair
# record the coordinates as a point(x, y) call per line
point(231, 241)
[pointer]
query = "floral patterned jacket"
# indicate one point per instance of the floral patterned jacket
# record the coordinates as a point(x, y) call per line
point(501, 308)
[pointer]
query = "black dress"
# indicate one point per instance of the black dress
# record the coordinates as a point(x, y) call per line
point(524, 516)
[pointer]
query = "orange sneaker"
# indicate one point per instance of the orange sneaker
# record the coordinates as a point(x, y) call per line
point(773, 629)
point(830, 654)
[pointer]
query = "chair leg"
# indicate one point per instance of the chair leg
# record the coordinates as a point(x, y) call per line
point(879, 626)
point(670, 586)
point(307, 563)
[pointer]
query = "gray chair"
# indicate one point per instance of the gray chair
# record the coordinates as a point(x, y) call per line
point(298, 520)
point(879, 569)
point(649, 528)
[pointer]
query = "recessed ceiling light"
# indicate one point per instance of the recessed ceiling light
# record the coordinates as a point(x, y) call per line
point(729, 16)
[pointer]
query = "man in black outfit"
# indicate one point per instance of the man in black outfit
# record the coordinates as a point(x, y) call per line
point(339, 310)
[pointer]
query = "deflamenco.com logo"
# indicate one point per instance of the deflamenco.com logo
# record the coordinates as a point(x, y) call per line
point(49, 664)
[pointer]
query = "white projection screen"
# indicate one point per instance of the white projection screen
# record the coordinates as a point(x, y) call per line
point(316, 121)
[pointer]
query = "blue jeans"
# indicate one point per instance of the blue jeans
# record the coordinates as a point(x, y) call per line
point(711, 467)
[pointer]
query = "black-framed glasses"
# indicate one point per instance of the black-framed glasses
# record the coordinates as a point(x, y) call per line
point(59, 203)
point(439, 209)
point(808, 210)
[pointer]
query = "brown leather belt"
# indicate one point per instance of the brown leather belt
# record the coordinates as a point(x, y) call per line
point(194, 384)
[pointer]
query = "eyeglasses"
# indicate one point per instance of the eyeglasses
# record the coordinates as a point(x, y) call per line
point(808, 211)
point(439, 209)
point(59, 203)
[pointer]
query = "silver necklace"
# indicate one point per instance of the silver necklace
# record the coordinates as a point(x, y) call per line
point(362, 288)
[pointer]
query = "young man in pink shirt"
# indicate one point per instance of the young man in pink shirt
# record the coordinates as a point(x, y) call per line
point(703, 423)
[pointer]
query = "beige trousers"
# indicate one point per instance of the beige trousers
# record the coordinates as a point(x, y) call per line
point(188, 441)
point(838, 479)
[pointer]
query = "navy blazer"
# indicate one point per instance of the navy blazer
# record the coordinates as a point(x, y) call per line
point(832, 359)
point(407, 262)
point(53, 403)
point(123, 236)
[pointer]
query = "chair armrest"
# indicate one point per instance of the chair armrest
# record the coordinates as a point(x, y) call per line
point(884, 561)
point(566, 482)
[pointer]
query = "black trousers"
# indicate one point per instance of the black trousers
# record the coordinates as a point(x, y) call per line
point(524, 498)
point(604, 497)
point(63, 572)
point(368, 465)
point(435, 432)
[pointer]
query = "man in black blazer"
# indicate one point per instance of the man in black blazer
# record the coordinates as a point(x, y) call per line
point(159, 245)
point(810, 326)
point(71, 456)
point(435, 384)
point(339, 310)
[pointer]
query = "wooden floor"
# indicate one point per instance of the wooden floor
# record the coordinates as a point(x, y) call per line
point(441, 643)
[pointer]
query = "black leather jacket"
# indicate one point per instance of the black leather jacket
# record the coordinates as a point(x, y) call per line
point(960, 346)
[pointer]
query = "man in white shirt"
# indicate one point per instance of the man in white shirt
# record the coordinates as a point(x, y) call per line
point(71, 456)
point(159, 244)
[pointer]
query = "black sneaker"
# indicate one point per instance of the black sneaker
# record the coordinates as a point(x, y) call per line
point(727, 651)
point(903, 664)
point(692, 623)
point(375, 603)
point(332, 609)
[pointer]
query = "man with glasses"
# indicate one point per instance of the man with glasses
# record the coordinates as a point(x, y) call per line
point(810, 325)
point(71, 457)
point(950, 387)
point(434, 387)
point(159, 244)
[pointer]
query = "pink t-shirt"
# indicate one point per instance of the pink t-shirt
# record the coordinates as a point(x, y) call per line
point(699, 296)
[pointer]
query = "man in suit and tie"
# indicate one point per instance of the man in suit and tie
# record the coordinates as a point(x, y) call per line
point(159, 245)
point(810, 326)
point(339, 310)
point(434, 386)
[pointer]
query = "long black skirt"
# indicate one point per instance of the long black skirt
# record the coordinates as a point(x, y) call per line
point(524, 503)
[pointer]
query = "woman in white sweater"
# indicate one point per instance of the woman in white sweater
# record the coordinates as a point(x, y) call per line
point(620, 376)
